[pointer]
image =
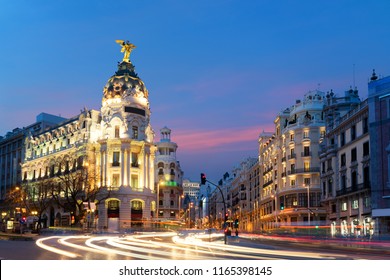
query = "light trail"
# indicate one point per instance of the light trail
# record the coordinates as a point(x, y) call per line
point(193, 240)
point(114, 251)
point(40, 244)
point(153, 246)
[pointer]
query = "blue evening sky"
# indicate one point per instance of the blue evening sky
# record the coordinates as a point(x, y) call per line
point(217, 72)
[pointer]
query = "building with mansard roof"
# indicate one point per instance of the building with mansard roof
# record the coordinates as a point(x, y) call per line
point(290, 166)
point(169, 178)
point(105, 158)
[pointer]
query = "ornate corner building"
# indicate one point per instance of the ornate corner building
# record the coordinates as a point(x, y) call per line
point(169, 178)
point(290, 167)
point(110, 152)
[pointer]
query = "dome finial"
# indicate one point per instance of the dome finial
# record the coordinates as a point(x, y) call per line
point(127, 47)
point(374, 76)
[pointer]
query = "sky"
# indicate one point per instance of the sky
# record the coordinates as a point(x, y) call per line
point(218, 72)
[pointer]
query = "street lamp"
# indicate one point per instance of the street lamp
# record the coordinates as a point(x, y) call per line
point(308, 203)
point(203, 181)
point(189, 214)
point(273, 195)
point(180, 198)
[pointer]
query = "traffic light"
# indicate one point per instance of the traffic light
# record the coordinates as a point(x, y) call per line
point(236, 223)
point(226, 216)
point(281, 205)
point(203, 179)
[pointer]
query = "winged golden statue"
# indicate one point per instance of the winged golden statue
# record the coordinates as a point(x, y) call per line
point(127, 47)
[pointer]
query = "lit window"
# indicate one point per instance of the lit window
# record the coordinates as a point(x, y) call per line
point(115, 159)
point(355, 204)
point(117, 131)
point(115, 180)
point(343, 206)
point(135, 132)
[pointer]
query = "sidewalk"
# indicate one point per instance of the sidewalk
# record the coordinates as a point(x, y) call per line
point(309, 241)
point(27, 236)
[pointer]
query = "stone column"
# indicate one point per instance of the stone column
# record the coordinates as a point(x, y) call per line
point(102, 223)
point(146, 213)
point(128, 164)
point(105, 167)
point(142, 169)
point(102, 168)
point(122, 182)
point(124, 214)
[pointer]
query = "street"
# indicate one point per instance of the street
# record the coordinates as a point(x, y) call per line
point(186, 245)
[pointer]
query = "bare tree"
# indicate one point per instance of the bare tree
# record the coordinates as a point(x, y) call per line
point(76, 185)
point(38, 198)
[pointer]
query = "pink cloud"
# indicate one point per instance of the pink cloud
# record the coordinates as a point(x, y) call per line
point(217, 140)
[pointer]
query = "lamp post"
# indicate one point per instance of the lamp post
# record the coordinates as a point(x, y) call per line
point(180, 198)
point(308, 203)
point(203, 181)
point(189, 214)
point(273, 195)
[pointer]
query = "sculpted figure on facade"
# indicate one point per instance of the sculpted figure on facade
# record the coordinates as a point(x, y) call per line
point(127, 47)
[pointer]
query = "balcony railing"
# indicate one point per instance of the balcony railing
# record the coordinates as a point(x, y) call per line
point(354, 188)
point(307, 154)
point(304, 170)
point(268, 183)
point(292, 156)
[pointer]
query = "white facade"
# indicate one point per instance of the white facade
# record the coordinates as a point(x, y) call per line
point(114, 147)
point(290, 166)
point(169, 178)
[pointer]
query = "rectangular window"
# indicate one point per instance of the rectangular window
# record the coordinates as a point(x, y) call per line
point(115, 180)
point(134, 181)
point(342, 160)
point(342, 139)
point(306, 151)
point(353, 132)
point(306, 166)
point(291, 137)
point(134, 160)
point(115, 158)
point(292, 182)
point(302, 199)
point(306, 134)
point(343, 206)
point(367, 201)
point(353, 155)
point(365, 125)
point(366, 149)
point(355, 204)
point(306, 181)
point(330, 165)
point(135, 132)
point(135, 111)
point(117, 131)
point(343, 182)
point(330, 186)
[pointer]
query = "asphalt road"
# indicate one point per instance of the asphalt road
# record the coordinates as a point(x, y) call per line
point(187, 246)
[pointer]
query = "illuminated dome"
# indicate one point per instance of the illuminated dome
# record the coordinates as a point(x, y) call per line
point(125, 84)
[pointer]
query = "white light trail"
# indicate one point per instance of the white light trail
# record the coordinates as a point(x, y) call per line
point(40, 244)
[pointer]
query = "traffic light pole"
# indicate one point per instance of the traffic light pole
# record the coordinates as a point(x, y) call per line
point(203, 180)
